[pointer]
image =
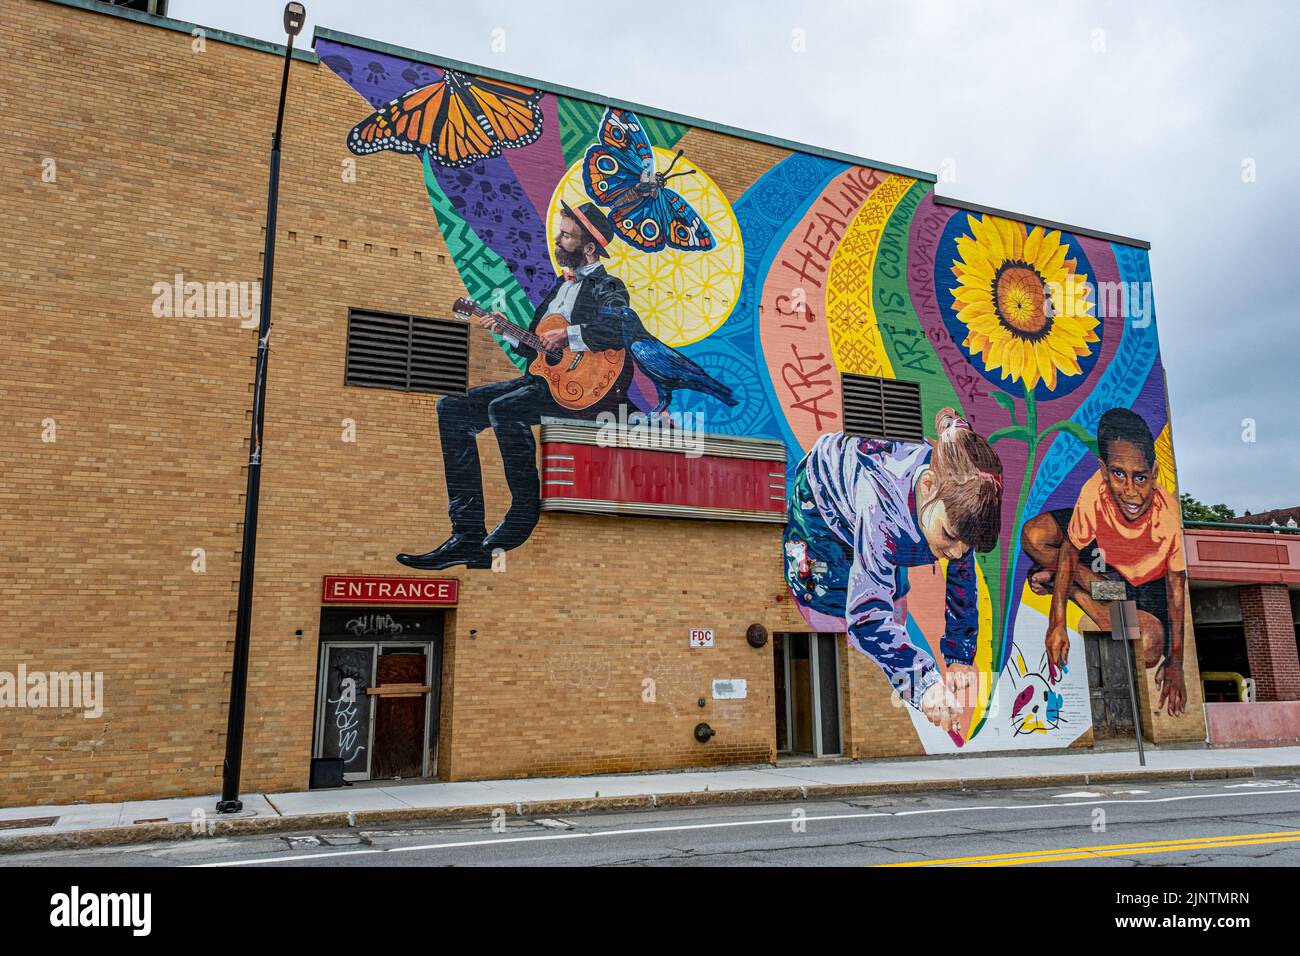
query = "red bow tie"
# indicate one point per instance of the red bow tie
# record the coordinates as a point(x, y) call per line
point(569, 275)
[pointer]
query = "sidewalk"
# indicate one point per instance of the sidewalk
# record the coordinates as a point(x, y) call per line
point(105, 824)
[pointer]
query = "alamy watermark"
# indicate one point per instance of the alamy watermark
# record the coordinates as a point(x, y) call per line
point(207, 300)
point(53, 690)
point(74, 908)
point(1113, 300)
point(669, 431)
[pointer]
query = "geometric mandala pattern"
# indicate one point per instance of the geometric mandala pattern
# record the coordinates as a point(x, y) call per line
point(681, 297)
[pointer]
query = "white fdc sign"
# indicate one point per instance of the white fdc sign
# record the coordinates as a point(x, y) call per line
point(701, 637)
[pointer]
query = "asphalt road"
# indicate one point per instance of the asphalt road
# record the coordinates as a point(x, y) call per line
point(1220, 823)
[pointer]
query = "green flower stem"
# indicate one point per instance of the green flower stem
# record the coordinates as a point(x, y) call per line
point(1027, 431)
point(1031, 441)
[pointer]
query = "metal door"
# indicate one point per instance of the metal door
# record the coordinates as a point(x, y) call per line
point(808, 694)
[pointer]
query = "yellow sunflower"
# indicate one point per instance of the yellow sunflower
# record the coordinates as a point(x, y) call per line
point(1026, 310)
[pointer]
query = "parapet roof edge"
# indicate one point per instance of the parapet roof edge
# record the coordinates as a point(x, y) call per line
point(1036, 221)
point(184, 26)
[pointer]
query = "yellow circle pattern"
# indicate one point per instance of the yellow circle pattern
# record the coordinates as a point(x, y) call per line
point(681, 297)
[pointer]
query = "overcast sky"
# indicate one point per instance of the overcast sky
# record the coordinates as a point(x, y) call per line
point(1144, 119)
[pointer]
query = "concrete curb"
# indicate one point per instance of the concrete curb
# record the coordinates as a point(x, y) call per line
point(247, 826)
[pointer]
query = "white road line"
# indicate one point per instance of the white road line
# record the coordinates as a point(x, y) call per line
point(1253, 783)
point(527, 839)
point(724, 824)
point(291, 859)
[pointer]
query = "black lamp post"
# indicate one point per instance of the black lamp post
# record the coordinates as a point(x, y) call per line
point(295, 15)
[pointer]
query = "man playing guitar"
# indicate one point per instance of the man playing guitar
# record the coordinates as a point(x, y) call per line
point(511, 408)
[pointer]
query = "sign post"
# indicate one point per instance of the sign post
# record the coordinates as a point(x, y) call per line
point(1124, 627)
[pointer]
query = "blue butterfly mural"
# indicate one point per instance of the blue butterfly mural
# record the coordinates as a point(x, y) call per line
point(619, 172)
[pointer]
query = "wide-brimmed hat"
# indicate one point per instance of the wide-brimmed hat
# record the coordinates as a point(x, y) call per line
point(589, 217)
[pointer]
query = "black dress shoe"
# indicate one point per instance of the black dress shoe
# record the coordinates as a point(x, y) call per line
point(510, 533)
point(458, 549)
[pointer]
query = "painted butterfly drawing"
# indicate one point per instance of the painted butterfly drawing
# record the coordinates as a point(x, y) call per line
point(619, 172)
point(459, 120)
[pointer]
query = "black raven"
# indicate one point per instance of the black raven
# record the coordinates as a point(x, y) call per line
point(666, 367)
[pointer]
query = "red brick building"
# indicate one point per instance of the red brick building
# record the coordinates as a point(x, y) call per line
point(1246, 602)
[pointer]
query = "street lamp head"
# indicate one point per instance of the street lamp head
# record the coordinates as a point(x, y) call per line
point(295, 15)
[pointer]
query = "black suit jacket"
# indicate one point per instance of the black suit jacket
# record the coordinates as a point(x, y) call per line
point(598, 290)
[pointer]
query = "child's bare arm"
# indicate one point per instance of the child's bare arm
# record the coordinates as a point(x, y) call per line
point(1058, 639)
point(1176, 583)
point(1173, 686)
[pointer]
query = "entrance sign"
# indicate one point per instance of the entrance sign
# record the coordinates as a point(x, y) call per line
point(385, 590)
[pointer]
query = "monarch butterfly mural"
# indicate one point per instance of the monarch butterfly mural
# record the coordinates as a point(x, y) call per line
point(458, 121)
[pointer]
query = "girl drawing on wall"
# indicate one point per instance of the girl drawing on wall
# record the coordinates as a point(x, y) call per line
point(861, 512)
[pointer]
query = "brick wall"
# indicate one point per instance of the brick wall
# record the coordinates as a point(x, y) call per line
point(1270, 641)
point(148, 414)
point(161, 156)
point(152, 422)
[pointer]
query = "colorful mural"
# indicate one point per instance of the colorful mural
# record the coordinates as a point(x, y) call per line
point(1124, 527)
point(862, 512)
point(691, 277)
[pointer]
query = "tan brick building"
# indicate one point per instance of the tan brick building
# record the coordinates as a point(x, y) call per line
point(137, 153)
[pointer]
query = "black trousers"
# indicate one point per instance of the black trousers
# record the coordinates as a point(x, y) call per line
point(511, 409)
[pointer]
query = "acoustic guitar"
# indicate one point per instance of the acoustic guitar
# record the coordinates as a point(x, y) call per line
point(577, 380)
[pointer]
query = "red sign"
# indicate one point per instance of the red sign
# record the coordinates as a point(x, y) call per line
point(662, 482)
point(376, 590)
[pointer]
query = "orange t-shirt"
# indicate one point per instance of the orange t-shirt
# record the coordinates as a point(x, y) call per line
point(1141, 550)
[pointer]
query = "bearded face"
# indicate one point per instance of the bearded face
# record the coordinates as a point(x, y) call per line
point(569, 245)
